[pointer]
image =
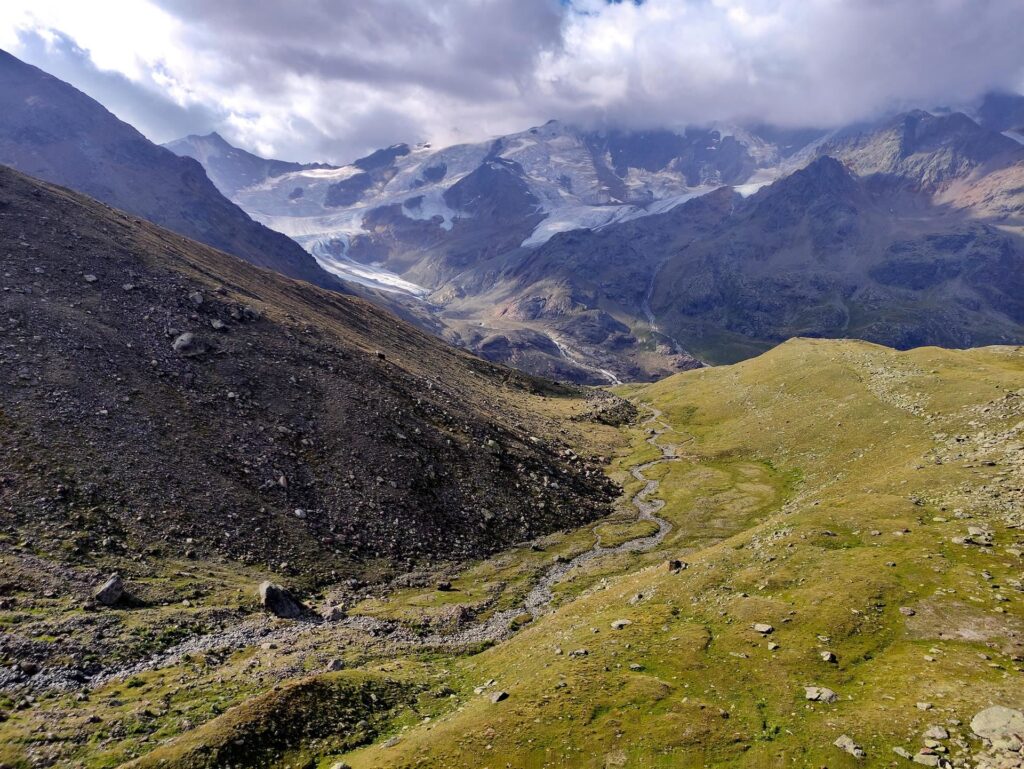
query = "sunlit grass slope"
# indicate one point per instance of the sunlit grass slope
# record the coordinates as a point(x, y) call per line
point(823, 489)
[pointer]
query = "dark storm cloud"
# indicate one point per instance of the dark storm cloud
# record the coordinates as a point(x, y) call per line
point(332, 80)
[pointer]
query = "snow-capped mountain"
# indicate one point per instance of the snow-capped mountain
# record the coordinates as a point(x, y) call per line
point(567, 179)
point(605, 255)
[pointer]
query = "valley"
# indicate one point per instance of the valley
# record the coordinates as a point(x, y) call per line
point(830, 514)
point(636, 439)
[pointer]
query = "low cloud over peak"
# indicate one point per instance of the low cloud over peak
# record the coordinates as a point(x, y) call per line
point(328, 81)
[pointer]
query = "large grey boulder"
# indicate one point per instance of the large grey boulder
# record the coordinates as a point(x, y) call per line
point(279, 602)
point(1002, 726)
point(111, 591)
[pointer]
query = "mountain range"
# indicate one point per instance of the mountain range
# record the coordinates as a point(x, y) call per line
point(597, 255)
point(606, 255)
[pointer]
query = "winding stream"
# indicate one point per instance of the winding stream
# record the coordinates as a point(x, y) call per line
point(538, 601)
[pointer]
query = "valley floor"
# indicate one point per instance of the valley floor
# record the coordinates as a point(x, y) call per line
point(817, 561)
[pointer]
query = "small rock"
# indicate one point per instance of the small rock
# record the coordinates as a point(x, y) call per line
point(846, 743)
point(335, 664)
point(763, 628)
point(906, 611)
point(334, 613)
point(499, 696)
point(828, 657)
point(903, 753)
point(927, 759)
point(579, 653)
point(937, 733)
point(676, 566)
point(820, 694)
point(196, 298)
point(91, 278)
point(111, 591)
point(620, 623)
point(187, 344)
point(444, 587)
point(924, 706)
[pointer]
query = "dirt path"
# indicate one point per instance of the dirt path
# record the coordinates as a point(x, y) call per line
point(496, 628)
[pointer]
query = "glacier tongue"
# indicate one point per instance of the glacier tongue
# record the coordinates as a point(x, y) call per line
point(370, 275)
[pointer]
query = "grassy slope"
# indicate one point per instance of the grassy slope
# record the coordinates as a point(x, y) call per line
point(797, 459)
point(788, 465)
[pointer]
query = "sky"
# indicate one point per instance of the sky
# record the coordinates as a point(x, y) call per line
point(330, 80)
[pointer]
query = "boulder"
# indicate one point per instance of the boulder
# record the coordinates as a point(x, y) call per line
point(111, 591)
point(334, 613)
point(1000, 725)
point(279, 602)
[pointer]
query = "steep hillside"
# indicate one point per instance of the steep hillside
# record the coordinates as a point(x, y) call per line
point(54, 132)
point(163, 397)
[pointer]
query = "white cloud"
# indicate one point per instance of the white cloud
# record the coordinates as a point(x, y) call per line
point(328, 80)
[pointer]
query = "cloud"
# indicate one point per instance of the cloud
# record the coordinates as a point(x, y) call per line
point(330, 80)
point(149, 109)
